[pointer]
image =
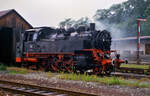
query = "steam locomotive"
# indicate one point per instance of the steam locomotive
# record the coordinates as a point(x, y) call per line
point(71, 50)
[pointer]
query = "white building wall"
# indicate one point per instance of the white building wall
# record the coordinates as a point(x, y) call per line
point(129, 46)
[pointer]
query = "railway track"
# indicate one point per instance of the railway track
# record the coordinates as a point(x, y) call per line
point(134, 70)
point(130, 75)
point(124, 75)
point(34, 90)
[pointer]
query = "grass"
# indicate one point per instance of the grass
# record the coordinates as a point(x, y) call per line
point(50, 75)
point(3, 67)
point(104, 80)
point(135, 66)
point(15, 70)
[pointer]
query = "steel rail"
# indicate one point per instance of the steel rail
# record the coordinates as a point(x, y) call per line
point(133, 70)
point(51, 89)
point(15, 91)
point(129, 75)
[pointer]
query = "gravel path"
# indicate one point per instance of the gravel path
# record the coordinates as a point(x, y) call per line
point(41, 78)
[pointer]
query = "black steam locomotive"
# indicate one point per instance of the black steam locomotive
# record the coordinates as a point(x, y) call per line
point(57, 49)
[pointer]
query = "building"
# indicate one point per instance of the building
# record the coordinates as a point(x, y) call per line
point(12, 19)
point(128, 46)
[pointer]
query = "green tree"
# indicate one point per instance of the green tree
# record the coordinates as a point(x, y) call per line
point(66, 23)
point(75, 23)
point(82, 21)
point(147, 11)
point(124, 16)
point(146, 27)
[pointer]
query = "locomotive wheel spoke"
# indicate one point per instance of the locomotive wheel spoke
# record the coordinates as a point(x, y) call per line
point(52, 64)
point(97, 70)
point(54, 68)
point(68, 66)
point(42, 66)
point(109, 70)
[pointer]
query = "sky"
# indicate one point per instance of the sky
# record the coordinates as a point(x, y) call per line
point(51, 12)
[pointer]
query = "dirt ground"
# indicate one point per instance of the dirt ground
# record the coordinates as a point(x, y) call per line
point(40, 78)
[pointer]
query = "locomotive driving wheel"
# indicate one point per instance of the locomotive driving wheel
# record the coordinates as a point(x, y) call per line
point(97, 70)
point(109, 69)
point(68, 65)
point(48, 65)
point(41, 66)
point(54, 65)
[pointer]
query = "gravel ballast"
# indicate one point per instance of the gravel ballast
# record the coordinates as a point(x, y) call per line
point(41, 78)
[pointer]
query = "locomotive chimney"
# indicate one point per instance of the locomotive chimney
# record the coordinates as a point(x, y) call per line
point(92, 26)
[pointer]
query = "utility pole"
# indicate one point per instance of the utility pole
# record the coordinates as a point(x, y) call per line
point(138, 39)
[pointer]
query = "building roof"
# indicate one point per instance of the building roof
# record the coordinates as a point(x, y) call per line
point(6, 12)
point(3, 13)
point(131, 38)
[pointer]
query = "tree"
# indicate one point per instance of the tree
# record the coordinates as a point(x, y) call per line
point(75, 23)
point(66, 23)
point(146, 27)
point(82, 21)
point(147, 11)
point(124, 16)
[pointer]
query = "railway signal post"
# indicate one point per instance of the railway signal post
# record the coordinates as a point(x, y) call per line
point(138, 39)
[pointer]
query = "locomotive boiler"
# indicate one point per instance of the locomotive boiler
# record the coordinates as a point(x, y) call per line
point(71, 50)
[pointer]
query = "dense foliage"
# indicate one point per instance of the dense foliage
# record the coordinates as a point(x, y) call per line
point(120, 19)
point(75, 23)
point(124, 16)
